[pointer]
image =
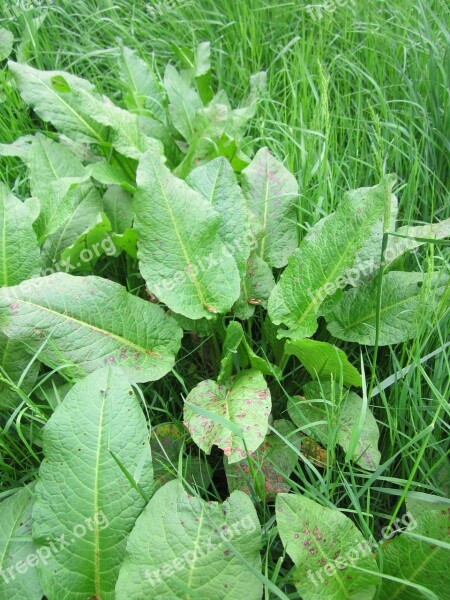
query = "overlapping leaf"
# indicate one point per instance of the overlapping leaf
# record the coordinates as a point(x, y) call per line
point(328, 551)
point(318, 414)
point(233, 416)
point(272, 195)
point(353, 318)
point(90, 322)
point(419, 562)
point(319, 266)
point(18, 559)
point(323, 360)
point(182, 547)
point(94, 442)
point(181, 256)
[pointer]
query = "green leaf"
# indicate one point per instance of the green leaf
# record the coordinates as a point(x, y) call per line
point(60, 84)
point(58, 180)
point(418, 561)
point(118, 207)
point(142, 90)
point(6, 43)
point(256, 287)
point(127, 132)
point(234, 416)
point(126, 241)
point(273, 462)
point(18, 575)
point(353, 318)
point(272, 192)
point(19, 252)
point(90, 321)
point(321, 263)
point(19, 148)
point(14, 359)
point(323, 360)
point(83, 494)
point(63, 110)
point(397, 246)
point(181, 256)
point(236, 345)
point(110, 174)
point(321, 412)
point(203, 72)
point(86, 205)
point(327, 550)
point(217, 182)
point(231, 345)
point(183, 547)
point(184, 101)
point(90, 245)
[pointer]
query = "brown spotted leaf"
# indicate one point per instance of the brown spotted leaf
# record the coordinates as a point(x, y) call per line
point(327, 549)
point(232, 416)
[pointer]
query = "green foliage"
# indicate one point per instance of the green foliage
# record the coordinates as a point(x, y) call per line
point(152, 256)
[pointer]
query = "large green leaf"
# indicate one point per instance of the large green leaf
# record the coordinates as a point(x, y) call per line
point(183, 547)
point(321, 263)
point(217, 182)
point(353, 318)
point(92, 244)
point(18, 559)
point(323, 360)
point(319, 413)
point(327, 550)
point(95, 442)
point(269, 468)
point(181, 256)
point(90, 321)
point(62, 109)
point(234, 416)
point(423, 562)
point(19, 252)
point(272, 193)
point(14, 359)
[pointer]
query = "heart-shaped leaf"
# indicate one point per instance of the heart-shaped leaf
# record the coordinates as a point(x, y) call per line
point(233, 416)
point(183, 547)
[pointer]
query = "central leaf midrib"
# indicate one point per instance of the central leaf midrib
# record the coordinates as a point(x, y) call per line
point(122, 340)
point(180, 240)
